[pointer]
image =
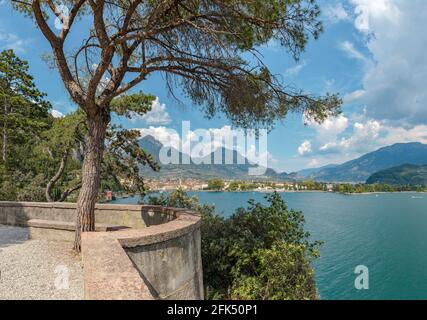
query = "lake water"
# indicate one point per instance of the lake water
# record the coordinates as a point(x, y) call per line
point(385, 232)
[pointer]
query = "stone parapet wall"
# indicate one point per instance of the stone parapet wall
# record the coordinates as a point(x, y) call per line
point(153, 252)
point(132, 216)
point(167, 258)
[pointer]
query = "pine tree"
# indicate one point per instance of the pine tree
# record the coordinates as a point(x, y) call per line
point(198, 46)
point(24, 112)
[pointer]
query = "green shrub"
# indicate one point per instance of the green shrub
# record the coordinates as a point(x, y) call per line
point(261, 252)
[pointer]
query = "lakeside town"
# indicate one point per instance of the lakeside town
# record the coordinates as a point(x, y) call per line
point(219, 185)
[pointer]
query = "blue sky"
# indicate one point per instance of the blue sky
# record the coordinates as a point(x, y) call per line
point(372, 53)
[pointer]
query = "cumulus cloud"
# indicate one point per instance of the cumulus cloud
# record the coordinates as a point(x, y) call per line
point(157, 116)
point(56, 114)
point(304, 148)
point(330, 128)
point(362, 139)
point(404, 135)
point(166, 136)
point(394, 85)
point(345, 139)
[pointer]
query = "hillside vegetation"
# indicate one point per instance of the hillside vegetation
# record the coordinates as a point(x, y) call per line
point(402, 175)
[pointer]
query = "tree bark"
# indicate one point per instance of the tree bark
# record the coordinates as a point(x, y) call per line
point(56, 177)
point(5, 139)
point(69, 191)
point(97, 127)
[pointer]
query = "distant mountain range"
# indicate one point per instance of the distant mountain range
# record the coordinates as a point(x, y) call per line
point(407, 174)
point(233, 171)
point(307, 173)
point(355, 171)
point(359, 170)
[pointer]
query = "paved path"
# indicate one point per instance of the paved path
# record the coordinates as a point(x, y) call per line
point(37, 269)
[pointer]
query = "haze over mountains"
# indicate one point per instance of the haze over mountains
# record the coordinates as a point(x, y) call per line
point(355, 171)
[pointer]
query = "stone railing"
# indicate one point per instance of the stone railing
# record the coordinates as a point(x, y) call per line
point(132, 216)
point(154, 254)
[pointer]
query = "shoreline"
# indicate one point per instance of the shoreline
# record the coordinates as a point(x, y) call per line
point(284, 191)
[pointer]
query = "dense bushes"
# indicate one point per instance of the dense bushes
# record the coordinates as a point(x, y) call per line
point(261, 252)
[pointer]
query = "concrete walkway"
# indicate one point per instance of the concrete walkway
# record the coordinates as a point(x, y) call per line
point(37, 269)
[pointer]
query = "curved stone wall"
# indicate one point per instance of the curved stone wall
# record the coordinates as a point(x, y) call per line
point(157, 262)
point(132, 216)
point(155, 254)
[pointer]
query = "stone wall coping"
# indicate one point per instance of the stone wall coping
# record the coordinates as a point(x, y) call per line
point(69, 226)
point(100, 206)
point(185, 223)
point(109, 274)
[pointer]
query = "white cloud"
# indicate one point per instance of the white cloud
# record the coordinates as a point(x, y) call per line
point(392, 93)
point(304, 148)
point(362, 139)
point(394, 85)
point(56, 114)
point(369, 12)
point(335, 13)
point(330, 128)
point(404, 135)
point(168, 137)
point(362, 135)
point(294, 71)
point(351, 51)
point(157, 116)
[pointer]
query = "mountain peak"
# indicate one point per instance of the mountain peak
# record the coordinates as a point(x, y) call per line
point(360, 169)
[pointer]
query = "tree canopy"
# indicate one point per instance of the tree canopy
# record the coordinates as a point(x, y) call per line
point(25, 111)
point(199, 46)
point(206, 48)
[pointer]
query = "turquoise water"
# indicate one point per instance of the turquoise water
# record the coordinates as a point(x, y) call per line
point(385, 232)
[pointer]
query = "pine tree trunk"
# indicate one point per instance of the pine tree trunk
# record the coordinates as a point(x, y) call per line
point(5, 140)
point(97, 126)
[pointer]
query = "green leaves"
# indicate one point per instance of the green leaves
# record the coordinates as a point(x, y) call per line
point(216, 184)
point(129, 105)
point(261, 252)
point(24, 112)
point(283, 273)
point(264, 251)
